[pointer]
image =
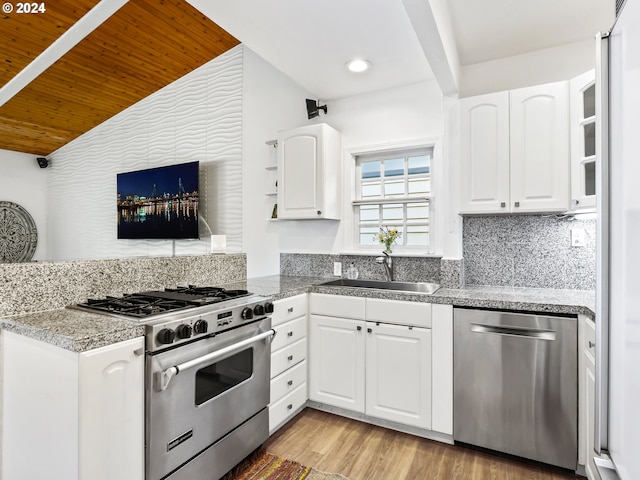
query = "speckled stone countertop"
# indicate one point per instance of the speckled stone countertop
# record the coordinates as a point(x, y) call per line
point(545, 300)
point(33, 295)
point(73, 330)
point(80, 331)
point(278, 286)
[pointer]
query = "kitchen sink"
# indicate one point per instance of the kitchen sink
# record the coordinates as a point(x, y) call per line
point(411, 287)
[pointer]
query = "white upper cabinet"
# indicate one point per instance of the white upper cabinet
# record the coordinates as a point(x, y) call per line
point(484, 153)
point(539, 148)
point(515, 151)
point(309, 173)
point(583, 141)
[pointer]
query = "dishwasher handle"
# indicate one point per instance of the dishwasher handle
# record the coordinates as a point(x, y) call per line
point(533, 333)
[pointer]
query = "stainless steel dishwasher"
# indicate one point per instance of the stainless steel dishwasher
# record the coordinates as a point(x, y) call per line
point(516, 384)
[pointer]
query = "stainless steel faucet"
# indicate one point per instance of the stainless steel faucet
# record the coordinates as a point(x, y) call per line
point(388, 266)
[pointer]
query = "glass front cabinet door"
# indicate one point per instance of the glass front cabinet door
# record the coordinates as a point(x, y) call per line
point(583, 142)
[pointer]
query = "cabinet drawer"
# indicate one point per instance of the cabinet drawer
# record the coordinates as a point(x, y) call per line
point(288, 308)
point(288, 356)
point(280, 411)
point(337, 306)
point(288, 381)
point(288, 333)
point(397, 312)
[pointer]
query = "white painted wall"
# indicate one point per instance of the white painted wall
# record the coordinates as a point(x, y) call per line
point(271, 102)
point(379, 119)
point(542, 66)
point(23, 182)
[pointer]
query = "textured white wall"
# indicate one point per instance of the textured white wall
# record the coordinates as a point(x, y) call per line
point(198, 117)
point(23, 182)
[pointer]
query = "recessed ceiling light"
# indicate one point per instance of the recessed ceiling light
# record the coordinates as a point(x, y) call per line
point(358, 65)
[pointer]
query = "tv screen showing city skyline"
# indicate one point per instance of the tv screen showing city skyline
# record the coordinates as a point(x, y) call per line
point(159, 203)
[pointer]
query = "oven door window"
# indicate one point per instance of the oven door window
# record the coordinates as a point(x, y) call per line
point(217, 378)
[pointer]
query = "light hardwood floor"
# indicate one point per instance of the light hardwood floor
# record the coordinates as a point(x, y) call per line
point(361, 451)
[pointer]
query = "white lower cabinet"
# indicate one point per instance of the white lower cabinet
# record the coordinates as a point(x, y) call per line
point(112, 412)
point(398, 374)
point(282, 410)
point(380, 369)
point(81, 415)
point(587, 387)
point(337, 367)
point(288, 360)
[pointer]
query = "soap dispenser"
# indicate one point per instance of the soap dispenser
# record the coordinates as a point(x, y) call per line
point(352, 272)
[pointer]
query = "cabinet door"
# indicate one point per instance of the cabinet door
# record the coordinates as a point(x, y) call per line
point(484, 153)
point(539, 146)
point(299, 164)
point(582, 91)
point(39, 406)
point(399, 374)
point(112, 412)
point(336, 362)
point(589, 379)
point(591, 392)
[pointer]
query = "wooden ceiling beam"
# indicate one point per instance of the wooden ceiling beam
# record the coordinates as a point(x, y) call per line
point(65, 42)
point(143, 47)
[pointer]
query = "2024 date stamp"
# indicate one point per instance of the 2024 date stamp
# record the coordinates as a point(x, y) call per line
point(27, 7)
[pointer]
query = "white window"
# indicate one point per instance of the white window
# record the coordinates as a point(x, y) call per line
point(393, 190)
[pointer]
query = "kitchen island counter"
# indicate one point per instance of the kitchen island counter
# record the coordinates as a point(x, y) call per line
point(74, 330)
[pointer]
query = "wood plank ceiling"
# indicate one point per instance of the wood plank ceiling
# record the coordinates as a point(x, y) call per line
point(143, 47)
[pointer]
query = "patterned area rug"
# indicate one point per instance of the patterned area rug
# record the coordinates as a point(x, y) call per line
point(262, 465)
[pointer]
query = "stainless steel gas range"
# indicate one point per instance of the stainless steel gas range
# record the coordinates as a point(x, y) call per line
point(206, 377)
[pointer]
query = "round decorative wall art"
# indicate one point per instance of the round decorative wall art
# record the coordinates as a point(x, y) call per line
point(18, 233)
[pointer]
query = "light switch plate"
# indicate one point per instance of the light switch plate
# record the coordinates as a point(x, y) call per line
point(337, 269)
point(578, 237)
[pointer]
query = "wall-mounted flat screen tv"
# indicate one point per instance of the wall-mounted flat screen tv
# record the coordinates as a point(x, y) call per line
point(159, 202)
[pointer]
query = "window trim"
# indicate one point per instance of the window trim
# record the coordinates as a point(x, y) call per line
point(435, 219)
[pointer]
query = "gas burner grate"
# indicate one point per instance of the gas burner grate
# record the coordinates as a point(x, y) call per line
point(145, 304)
point(207, 291)
point(136, 305)
point(194, 290)
point(206, 294)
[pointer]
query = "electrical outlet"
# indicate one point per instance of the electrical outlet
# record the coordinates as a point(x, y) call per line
point(578, 237)
point(337, 269)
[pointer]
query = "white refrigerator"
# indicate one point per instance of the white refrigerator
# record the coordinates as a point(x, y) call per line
point(617, 426)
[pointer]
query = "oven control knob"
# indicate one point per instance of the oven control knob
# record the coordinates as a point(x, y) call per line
point(184, 331)
point(258, 310)
point(268, 307)
point(166, 336)
point(201, 326)
point(247, 314)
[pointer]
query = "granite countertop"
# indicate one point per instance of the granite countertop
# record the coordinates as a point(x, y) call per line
point(79, 331)
point(74, 330)
point(571, 302)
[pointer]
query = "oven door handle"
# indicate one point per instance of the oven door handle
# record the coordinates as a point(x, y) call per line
point(169, 373)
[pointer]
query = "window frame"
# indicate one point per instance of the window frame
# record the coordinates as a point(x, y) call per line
point(405, 149)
